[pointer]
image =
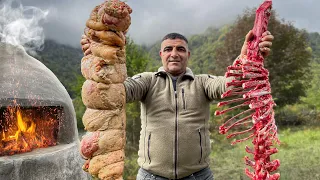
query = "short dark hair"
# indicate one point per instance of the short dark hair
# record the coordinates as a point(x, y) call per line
point(175, 36)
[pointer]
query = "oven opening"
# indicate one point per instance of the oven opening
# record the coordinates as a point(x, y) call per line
point(23, 129)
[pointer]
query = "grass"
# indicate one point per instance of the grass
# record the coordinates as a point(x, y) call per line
point(299, 155)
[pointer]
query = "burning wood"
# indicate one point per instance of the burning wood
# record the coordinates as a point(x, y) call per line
point(23, 130)
point(255, 88)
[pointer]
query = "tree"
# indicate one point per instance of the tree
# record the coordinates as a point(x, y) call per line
point(154, 55)
point(203, 49)
point(313, 94)
point(288, 62)
point(314, 39)
point(63, 61)
point(137, 59)
point(79, 107)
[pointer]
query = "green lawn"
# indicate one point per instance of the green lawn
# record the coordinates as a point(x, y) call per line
point(299, 155)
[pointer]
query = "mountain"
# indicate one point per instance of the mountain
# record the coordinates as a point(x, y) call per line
point(203, 49)
point(64, 61)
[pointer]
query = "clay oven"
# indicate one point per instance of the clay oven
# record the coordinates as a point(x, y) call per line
point(38, 133)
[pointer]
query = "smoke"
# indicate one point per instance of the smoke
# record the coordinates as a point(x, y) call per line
point(20, 25)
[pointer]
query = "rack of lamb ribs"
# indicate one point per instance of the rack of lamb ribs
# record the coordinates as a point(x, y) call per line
point(252, 82)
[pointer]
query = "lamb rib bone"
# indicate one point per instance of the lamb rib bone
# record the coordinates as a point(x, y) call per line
point(255, 89)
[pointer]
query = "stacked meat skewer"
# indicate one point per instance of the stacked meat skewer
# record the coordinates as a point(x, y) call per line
point(252, 82)
point(103, 92)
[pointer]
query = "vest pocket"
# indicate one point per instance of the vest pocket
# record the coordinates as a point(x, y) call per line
point(149, 142)
point(200, 137)
point(183, 99)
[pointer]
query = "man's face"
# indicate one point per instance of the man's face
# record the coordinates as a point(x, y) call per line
point(174, 54)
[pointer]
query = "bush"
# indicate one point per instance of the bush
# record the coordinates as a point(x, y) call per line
point(80, 109)
point(131, 167)
point(297, 114)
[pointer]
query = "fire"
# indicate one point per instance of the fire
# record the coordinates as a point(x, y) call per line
point(23, 127)
point(24, 130)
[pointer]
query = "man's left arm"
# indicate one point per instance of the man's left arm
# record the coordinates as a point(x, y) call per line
point(215, 86)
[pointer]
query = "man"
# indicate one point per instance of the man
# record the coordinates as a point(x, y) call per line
point(175, 104)
point(175, 108)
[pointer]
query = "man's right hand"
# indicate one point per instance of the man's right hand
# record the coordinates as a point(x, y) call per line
point(85, 45)
point(265, 44)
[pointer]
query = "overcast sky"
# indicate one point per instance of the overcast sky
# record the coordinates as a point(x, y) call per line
point(152, 19)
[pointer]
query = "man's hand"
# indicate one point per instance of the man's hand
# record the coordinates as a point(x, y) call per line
point(265, 44)
point(85, 45)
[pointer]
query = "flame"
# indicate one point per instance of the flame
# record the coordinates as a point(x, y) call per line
point(22, 133)
point(23, 127)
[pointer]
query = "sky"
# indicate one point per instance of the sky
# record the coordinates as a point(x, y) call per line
point(64, 20)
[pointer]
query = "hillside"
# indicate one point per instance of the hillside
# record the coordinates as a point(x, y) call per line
point(63, 61)
point(203, 47)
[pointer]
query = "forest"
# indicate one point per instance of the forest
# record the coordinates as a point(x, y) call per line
point(294, 66)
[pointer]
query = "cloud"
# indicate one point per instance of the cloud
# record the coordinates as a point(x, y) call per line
point(153, 19)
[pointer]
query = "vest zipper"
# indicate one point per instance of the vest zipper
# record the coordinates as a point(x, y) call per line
point(144, 141)
point(176, 138)
point(183, 99)
point(204, 133)
point(200, 147)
